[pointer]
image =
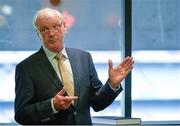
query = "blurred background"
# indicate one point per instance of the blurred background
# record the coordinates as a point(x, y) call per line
point(98, 27)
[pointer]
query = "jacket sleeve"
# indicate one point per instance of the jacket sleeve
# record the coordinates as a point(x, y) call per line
point(101, 95)
point(27, 110)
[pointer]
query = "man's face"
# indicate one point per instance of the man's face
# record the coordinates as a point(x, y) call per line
point(51, 30)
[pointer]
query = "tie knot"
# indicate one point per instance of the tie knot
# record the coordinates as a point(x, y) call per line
point(59, 56)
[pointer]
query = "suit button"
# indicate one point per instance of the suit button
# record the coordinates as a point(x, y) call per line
point(75, 113)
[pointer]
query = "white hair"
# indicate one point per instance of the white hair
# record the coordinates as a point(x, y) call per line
point(45, 10)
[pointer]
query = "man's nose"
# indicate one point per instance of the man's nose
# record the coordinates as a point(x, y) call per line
point(51, 32)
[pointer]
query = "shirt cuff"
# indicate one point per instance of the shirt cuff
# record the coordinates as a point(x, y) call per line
point(53, 108)
point(114, 89)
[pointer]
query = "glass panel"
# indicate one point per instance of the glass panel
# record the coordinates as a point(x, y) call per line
point(97, 28)
point(93, 25)
point(156, 49)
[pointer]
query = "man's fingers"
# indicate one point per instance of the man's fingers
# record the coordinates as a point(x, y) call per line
point(70, 98)
point(125, 61)
point(62, 92)
point(129, 70)
point(63, 102)
point(110, 64)
point(129, 64)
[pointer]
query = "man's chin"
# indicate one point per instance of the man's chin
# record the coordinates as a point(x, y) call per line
point(57, 49)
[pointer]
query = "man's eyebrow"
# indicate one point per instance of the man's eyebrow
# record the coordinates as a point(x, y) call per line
point(47, 27)
point(42, 27)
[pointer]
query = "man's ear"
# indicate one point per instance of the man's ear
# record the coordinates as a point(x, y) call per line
point(37, 32)
point(64, 26)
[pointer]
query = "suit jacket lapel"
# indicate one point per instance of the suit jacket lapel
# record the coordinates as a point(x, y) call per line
point(72, 60)
point(48, 69)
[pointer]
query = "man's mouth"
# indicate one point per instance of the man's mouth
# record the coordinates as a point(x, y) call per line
point(52, 40)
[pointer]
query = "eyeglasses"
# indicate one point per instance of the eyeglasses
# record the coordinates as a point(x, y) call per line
point(54, 28)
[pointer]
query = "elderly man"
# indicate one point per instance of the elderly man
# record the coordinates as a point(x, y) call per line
point(58, 85)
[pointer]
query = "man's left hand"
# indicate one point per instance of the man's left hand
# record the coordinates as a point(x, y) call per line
point(117, 74)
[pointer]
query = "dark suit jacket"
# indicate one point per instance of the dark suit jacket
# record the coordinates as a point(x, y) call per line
point(37, 82)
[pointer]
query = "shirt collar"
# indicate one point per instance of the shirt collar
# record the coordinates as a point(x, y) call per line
point(51, 54)
point(64, 53)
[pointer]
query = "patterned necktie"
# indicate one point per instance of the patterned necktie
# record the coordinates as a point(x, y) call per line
point(65, 74)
